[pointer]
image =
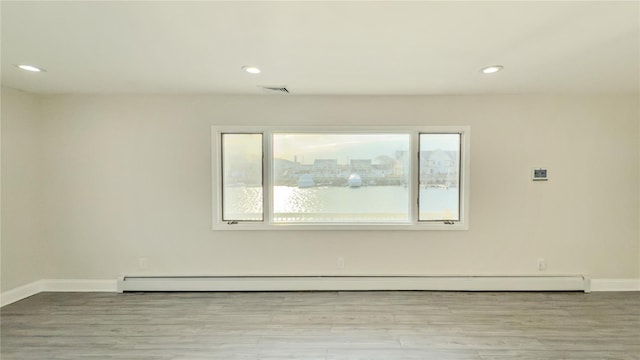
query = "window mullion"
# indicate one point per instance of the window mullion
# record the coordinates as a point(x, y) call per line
point(267, 176)
point(414, 177)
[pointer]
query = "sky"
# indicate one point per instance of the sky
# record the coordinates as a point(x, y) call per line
point(307, 147)
point(343, 147)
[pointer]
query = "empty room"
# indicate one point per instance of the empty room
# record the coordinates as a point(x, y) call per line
point(335, 180)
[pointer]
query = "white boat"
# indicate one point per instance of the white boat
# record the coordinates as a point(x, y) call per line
point(354, 181)
point(305, 181)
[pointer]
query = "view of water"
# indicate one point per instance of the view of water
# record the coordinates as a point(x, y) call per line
point(341, 204)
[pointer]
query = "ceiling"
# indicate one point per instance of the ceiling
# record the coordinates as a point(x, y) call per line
point(328, 48)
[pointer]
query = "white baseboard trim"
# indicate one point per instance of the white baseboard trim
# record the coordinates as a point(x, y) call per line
point(615, 284)
point(57, 285)
point(79, 285)
point(337, 283)
point(21, 292)
point(293, 283)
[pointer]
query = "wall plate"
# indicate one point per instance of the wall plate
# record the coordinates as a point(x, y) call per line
point(539, 174)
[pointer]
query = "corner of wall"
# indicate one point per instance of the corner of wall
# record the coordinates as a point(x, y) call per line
point(23, 247)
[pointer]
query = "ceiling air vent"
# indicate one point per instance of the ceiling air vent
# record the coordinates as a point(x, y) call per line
point(275, 89)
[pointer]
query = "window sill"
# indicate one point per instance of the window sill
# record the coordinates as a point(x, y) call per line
point(439, 226)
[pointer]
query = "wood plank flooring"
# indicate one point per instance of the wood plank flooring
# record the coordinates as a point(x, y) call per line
point(380, 325)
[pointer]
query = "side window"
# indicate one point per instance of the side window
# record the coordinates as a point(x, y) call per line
point(242, 185)
point(439, 194)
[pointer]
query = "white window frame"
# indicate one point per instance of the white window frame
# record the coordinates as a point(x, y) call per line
point(268, 224)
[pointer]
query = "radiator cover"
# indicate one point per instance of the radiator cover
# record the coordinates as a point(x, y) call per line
point(346, 283)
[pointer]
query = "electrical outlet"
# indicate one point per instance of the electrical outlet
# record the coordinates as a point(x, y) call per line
point(542, 264)
point(340, 263)
point(143, 263)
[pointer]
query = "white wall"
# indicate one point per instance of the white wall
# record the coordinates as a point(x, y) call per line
point(126, 177)
point(116, 178)
point(22, 244)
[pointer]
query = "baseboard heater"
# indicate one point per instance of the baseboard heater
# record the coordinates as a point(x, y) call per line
point(345, 283)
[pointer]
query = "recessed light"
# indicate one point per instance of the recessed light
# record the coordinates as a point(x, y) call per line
point(30, 68)
point(251, 69)
point(492, 69)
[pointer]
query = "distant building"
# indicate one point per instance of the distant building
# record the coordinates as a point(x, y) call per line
point(385, 170)
point(401, 165)
point(325, 163)
point(325, 171)
point(360, 165)
point(439, 167)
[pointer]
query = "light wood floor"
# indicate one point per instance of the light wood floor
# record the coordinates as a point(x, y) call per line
point(323, 325)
